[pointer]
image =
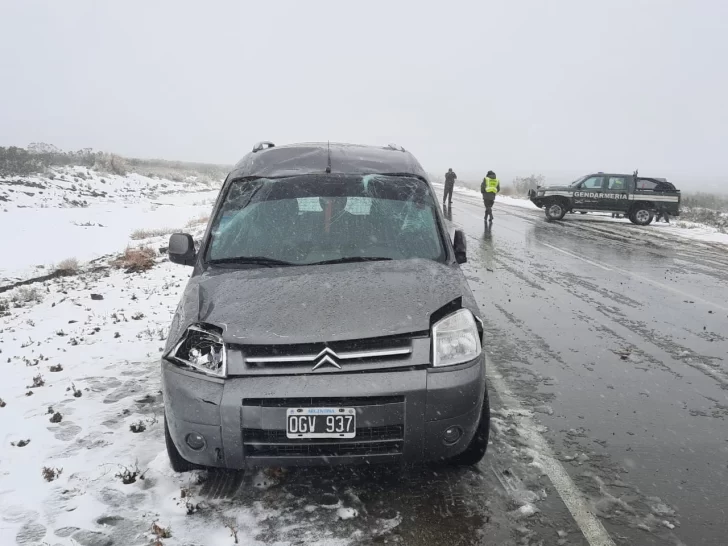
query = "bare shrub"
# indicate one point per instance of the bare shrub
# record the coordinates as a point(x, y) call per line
point(4, 306)
point(67, 266)
point(522, 184)
point(129, 475)
point(2, 403)
point(138, 427)
point(705, 216)
point(57, 417)
point(201, 220)
point(56, 368)
point(160, 532)
point(111, 163)
point(136, 260)
point(38, 381)
point(50, 474)
point(148, 233)
point(27, 294)
point(20, 443)
point(230, 524)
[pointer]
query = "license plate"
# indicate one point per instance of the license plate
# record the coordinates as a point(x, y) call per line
point(321, 423)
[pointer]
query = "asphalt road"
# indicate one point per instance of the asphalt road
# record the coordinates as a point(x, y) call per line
point(617, 337)
point(607, 345)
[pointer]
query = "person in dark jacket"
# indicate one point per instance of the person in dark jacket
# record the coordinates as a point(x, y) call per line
point(450, 178)
point(662, 214)
point(489, 187)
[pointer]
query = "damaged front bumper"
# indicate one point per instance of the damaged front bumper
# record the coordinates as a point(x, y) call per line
point(401, 416)
point(535, 198)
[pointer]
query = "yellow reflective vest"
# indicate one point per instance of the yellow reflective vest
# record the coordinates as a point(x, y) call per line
point(490, 185)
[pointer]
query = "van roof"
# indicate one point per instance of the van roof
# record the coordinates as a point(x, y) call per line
point(313, 158)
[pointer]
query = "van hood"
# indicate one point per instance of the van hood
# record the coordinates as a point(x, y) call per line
point(322, 303)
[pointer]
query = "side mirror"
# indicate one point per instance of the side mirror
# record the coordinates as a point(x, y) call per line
point(182, 249)
point(461, 255)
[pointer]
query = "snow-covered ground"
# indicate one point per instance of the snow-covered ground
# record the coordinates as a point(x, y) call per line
point(46, 220)
point(79, 371)
point(677, 227)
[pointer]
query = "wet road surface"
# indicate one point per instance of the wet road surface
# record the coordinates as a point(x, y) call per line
point(608, 343)
point(617, 337)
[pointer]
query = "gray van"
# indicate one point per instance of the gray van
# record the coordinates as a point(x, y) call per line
point(326, 320)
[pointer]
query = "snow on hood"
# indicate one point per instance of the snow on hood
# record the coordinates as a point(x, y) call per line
point(322, 303)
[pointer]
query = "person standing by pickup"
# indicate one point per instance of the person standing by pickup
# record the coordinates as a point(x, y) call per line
point(450, 178)
point(489, 188)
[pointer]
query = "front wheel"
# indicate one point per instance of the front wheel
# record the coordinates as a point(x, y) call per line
point(475, 451)
point(555, 211)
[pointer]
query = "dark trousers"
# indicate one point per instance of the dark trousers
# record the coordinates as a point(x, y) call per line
point(488, 200)
point(448, 193)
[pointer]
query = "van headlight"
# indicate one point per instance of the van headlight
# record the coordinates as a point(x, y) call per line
point(455, 339)
point(201, 349)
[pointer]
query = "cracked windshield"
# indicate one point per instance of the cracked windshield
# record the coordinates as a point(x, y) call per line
point(363, 273)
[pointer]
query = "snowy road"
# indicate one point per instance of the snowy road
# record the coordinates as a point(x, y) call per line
point(607, 346)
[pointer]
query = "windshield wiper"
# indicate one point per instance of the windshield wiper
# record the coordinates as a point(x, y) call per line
point(254, 260)
point(352, 259)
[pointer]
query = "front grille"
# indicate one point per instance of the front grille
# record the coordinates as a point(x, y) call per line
point(361, 351)
point(324, 450)
point(338, 402)
point(372, 434)
point(384, 440)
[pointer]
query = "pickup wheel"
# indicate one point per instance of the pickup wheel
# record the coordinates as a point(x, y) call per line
point(477, 447)
point(641, 215)
point(555, 210)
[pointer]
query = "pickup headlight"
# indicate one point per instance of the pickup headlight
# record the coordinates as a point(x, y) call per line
point(201, 349)
point(455, 339)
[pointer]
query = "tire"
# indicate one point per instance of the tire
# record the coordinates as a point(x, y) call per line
point(176, 461)
point(641, 215)
point(555, 210)
point(475, 451)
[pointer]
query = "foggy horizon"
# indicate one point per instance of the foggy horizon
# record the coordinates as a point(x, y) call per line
point(557, 89)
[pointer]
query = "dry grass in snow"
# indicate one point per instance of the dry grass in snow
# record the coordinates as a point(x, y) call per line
point(202, 220)
point(135, 260)
point(67, 266)
point(140, 234)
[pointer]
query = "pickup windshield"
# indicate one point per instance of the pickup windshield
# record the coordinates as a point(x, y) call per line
point(313, 219)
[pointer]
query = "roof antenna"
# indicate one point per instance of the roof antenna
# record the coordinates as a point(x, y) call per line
point(328, 151)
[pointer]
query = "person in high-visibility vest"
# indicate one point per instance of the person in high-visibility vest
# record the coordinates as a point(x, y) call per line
point(489, 187)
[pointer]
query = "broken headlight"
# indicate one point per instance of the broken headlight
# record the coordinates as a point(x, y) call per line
point(202, 349)
point(455, 339)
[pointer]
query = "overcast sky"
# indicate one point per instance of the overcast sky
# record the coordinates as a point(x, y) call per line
point(512, 86)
